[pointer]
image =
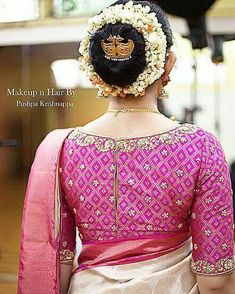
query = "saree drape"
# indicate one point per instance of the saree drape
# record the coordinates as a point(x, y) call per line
point(167, 274)
point(40, 236)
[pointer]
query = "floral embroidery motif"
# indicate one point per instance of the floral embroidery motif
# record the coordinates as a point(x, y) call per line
point(147, 166)
point(148, 199)
point(105, 144)
point(82, 198)
point(112, 198)
point(82, 166)
point(179, 202)
point(224, 246)
point(224, 212)
point(221, 266)
point(70, 183)
point(131, 212)
point(207, 232)
point(165, 215)
point(164, 185)
point(208, 200)
point(97, 212)
point(70, 151)
point(131, 182)
point(96, 183)
point(179, 173)
point(66, 255)
point(193, 215)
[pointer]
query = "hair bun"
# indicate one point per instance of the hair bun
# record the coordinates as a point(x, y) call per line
point(121, 72)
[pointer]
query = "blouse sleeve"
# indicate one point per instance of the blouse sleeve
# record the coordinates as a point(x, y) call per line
point(68, 233)
point(211, 220)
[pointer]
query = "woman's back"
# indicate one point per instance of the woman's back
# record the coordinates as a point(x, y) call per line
point(160, 186)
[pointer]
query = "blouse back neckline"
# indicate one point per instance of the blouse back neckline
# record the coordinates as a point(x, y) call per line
point(81, 130)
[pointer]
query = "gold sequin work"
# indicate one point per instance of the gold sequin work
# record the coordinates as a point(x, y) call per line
point(223, 265)
point(105, 143)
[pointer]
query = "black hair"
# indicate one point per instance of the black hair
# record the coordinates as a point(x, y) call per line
point(124, 73)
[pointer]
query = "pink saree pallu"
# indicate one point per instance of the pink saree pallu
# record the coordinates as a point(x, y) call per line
point(40, 236)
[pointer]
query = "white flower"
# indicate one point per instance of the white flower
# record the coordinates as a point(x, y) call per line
point(129, 4)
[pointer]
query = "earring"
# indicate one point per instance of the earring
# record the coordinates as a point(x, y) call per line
point(165, 83)
point(163, 94)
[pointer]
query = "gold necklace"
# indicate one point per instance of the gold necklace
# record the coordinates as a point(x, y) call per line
point(117, 111)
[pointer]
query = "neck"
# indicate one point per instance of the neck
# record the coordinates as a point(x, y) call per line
point(148, 101)
point(132, 102)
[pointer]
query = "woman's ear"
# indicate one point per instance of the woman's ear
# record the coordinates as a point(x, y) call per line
point(170, 62)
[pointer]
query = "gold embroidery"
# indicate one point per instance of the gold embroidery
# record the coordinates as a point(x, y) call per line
point(223, 265)
point(82, 166)
point(131, 182)
point(132, 212)
point(208, 200)
point(70, 183)
point(179, 202)
point(66, 255)
point(96, 183)
point(97, 212)
point(70, 151)
point(112, 198)
point(224, 246)
point(179, 173)
point(149, 227)
point(224, 212)
point(165, 215)
point(148, 199)
point(82, 198)
point(207, 232)
point(164, 185)
point(193, 215)
point(105, 143)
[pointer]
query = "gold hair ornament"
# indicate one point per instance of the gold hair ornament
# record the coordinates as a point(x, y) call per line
point(115, 49)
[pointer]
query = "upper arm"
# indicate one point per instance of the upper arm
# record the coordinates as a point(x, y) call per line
point(212, 215)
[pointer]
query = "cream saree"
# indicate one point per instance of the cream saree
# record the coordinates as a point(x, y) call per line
point(167, 274)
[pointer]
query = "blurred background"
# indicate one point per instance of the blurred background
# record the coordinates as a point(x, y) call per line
point(39, 42)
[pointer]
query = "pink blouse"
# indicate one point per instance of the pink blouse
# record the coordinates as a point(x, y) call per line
point(130, 188)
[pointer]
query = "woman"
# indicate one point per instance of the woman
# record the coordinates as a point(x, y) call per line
point(150, 198)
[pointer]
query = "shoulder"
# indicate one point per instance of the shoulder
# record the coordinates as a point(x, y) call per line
point(201, 133)
point(212, 151)
point(55, 137)
point(52, 142)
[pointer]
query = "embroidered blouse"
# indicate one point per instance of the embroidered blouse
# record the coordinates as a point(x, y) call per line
point(126, 188)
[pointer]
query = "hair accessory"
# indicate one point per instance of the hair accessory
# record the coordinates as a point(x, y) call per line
point(145, 22)
point(115, 49)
